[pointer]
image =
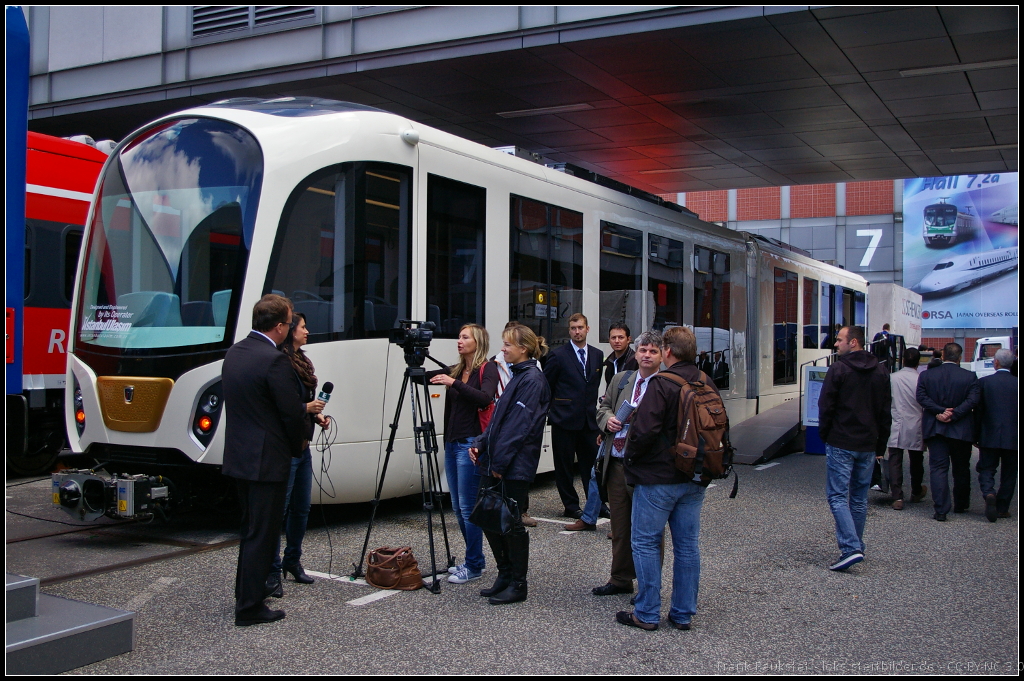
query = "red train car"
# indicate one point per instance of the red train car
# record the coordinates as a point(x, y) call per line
point(60, 178)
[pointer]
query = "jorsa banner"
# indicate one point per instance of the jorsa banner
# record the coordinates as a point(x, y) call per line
point(960, 249)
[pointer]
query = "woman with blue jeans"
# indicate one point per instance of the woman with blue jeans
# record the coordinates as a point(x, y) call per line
point(472, 385)
point(300, 479)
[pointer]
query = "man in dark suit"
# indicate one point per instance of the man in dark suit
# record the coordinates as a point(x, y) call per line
point(265, 426)
point(720, 372)
point(997, 421)
point(573, 372)
point(949, 394)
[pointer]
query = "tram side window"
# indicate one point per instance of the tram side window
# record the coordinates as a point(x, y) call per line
point(343, 253)
point(860, 309)
point(665, 281)
point(711, 310)
point(547, 267)
point(784, 349)
point(455, 254)
point(621, 278)
point(811, 314)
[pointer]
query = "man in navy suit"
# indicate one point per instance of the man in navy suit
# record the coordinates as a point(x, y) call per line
point(265, 423)
point(997, 422)
point(949, 394)
point(573, 372)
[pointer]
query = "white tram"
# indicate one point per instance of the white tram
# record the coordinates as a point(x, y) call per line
point(363, 218)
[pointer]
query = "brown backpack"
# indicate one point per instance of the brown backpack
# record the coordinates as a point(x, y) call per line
point(702, 449)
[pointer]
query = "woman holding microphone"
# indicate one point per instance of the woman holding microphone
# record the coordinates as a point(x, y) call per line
point(508, 454)
point(472, 384)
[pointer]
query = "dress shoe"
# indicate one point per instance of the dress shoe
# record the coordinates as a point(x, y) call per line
point(1003, 514)
point(515, 592)
point(630, 620)
point(960, 509)
point(610, 589)
point(605, 512)
point(609, 534)
point(580, 526)
point(273, 587)
point(261, 616)
point(941, 517)
point(572, 513)
point(682, 626)
point(897, 505)
point(914, 498)
point(990, 507)
point(298, 573)
point(528, 521)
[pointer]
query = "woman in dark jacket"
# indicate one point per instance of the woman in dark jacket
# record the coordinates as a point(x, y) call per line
point(508, 454)
point(472, 384)
point(300, 479)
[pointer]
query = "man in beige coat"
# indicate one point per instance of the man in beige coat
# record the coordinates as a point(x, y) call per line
point(906, 431)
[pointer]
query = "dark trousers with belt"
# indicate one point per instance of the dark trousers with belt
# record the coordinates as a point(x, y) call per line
point(262, 506)
point(1006, 461)
point(945, 453)
point(620, 503)
point(567, 447)
point(896, 472)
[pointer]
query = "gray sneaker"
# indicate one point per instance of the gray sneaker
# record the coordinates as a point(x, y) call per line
point(453, 570)
point(463, 575)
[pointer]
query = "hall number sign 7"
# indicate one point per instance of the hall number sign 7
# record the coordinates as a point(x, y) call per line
point(876, 238)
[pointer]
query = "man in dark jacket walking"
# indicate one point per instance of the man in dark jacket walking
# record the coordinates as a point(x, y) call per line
point(997, 421)
point(854, 420)
point(949, 394)
point(663, 494)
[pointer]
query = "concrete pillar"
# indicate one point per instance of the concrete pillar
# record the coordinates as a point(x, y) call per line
point(732, 208)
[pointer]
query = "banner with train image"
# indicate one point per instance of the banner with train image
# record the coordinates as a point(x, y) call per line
point(960, 249)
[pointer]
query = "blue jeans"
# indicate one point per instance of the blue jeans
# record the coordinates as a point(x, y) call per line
point(463, 482)
point(296, 511)
point(678, 505)
point(849, 477)
point(592, 511)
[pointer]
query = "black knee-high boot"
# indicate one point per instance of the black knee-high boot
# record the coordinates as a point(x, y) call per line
point(503, 561)
point(519, 551)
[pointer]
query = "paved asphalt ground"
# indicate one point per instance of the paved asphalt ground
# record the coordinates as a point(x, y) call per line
point(930, 597)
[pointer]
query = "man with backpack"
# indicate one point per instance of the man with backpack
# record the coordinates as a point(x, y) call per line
point(663, 493)
point(854, 420)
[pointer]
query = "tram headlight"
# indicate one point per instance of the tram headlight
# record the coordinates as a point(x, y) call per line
point(79, 406)
point(207, 414)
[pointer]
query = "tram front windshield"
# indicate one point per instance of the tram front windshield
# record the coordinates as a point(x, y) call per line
point(170, 238)
point(941, 215)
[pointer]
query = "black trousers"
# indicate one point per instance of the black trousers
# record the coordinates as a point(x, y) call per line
point(945, 453)
point(1006, 461)
point(896, 472)
point(569, 447)
point(262, 513)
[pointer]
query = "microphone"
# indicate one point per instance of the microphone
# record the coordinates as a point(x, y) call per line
point(325, 392)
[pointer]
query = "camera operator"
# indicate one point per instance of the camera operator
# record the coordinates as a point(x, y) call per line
point(472, 384)
point(508, 453)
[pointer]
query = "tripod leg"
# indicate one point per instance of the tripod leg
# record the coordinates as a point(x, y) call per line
point(358, 565)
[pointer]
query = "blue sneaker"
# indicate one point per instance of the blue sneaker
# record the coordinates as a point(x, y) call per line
point(453, 570)
point(463, 575)
point(846, 561)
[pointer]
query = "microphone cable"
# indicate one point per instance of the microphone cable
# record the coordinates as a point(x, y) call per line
point(325, 439)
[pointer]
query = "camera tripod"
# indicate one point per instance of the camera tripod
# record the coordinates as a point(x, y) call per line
point(425, 438)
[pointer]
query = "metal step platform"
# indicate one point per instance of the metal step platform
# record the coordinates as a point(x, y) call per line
point(50, 635)
point(764, 435)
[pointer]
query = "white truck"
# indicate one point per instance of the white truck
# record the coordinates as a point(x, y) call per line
point(985, 351)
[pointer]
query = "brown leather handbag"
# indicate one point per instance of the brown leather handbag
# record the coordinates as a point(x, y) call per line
point(393, 568)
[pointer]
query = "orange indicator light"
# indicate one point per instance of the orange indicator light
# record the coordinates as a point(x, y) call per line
point(205, 423)
point(80, 416)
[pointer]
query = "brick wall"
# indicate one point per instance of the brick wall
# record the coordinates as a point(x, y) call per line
point(759, 203)
point(869, 198)
point(710, 206)
point(812, 201)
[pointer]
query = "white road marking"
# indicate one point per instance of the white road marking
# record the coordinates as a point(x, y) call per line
point(600, 521)
point(149, 593)
point(712, 485)
point(344, 579)
point(767, 465)
point(371, 598)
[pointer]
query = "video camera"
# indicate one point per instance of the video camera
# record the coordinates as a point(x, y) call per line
point(414, 338)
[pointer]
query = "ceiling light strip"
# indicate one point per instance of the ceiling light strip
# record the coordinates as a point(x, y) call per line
point(990, 147)
point(958, 68)
point(674, 170)
point(545, 110)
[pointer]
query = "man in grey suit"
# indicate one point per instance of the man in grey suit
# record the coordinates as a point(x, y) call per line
point(905, 431)
point(265, 423)
point(949, 394)
point(997, 421)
